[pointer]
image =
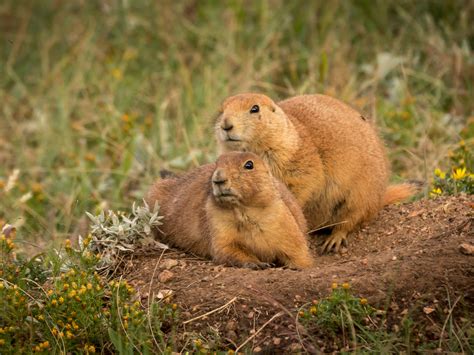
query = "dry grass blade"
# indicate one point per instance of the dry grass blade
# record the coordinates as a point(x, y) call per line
point(211, 312)
point(279, 314)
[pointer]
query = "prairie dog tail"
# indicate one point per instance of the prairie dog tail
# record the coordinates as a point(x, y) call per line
point(400, 192)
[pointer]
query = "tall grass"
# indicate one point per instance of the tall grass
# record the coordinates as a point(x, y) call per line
point(97, 96)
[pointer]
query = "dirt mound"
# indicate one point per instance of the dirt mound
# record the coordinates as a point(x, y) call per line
point(409, 255)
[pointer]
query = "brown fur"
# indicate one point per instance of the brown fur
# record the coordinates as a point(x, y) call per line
point(397, 193)
point(328, 155)
point(234, 215)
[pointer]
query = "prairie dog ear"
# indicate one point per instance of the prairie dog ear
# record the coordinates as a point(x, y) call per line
point(276, 109)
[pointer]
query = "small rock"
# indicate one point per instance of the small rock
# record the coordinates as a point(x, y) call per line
point(394, 258)
point(231, 325)
point(232, 335)
point(165, 276)
point(164, 295)
point(250, 315)
point(295, 347)
point(428, 310)
point(169, 264)
point(364, 262)
point(276, 341)
point(466, 248)
point(257, 349)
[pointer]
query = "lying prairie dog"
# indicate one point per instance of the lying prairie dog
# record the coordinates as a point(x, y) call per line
point(235, 212)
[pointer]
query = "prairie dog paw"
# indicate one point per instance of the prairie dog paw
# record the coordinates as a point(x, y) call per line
point(334, 242)
point(256, 266)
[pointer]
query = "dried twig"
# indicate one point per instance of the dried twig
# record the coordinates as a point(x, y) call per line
point(279, 314)
point(211, 312)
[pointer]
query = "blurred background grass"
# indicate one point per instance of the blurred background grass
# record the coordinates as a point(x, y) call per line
point(97, 96)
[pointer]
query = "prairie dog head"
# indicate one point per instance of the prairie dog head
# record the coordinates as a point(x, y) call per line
point(249, 122)
point(242, 179)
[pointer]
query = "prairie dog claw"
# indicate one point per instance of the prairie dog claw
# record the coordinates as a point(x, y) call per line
point(334, 242)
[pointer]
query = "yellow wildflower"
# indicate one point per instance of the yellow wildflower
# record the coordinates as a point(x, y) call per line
point(313, 310)
point(54, 331)
point(61, 300)
point(37, 348)
point(2, 342)
point(91, 349)
point(87, 240)
point(54, 302)
point(40, 317)
point(90, 157)
point(45, 344)
point(334, 285)
point(435, 192)
point(69, 335)
point(36, 187)
point(363, 301)
point(72, 294)
point(439, 173)
point(117, 73)
point(89, 286)
point(198, 343)
point(346, 286)
point(67, 244)
point(459, 173)
point(125, 118)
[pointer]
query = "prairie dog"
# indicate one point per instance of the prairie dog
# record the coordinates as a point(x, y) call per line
point(235, 212)
point(327, 154)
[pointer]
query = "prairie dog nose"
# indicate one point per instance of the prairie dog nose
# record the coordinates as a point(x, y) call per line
point(219, 177)
point(226, 124)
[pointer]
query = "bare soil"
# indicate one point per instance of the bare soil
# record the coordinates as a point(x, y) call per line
point(406, 259)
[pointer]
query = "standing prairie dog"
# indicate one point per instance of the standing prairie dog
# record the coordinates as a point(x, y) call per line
point(235, 212)
point(328, 155)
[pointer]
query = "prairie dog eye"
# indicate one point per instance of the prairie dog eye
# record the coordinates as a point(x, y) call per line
point(248, 165)
point(254, 109)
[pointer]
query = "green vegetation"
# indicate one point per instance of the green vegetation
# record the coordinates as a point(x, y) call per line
point(58, 302)
point(98, 96)
point(460, 177)
point(349, 323)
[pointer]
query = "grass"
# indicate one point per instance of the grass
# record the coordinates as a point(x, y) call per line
point(350, 324)
point(98, 96)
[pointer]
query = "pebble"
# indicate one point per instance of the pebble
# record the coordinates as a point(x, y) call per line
point(231, 325)
point(466, 248)
point(169, 264)
point(165, 276)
